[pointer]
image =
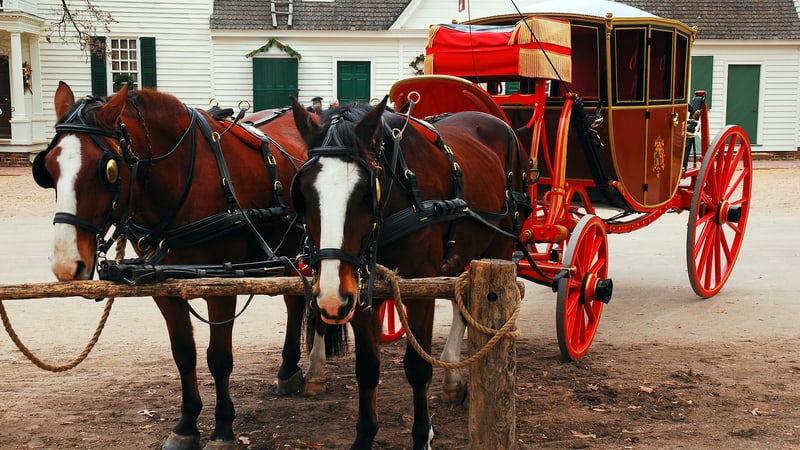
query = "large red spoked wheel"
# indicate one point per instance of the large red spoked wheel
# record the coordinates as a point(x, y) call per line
point(392, 327)
point(719, 210)
point(582, 293)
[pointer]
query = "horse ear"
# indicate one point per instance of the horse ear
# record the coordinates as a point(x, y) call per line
point(107, 115)
point(64, 99)
point(304, 122)
point(370, 127)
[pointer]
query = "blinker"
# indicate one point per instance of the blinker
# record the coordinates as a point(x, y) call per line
point(112, 171)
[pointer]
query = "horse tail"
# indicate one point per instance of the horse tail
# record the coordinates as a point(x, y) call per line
point(336, 336)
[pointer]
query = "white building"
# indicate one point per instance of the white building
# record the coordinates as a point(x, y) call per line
point(353, 50)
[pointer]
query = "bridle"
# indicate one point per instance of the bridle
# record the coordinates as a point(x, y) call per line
point(365, 262)
point(108, 170)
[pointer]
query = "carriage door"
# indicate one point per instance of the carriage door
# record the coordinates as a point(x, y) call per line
point(274, 80)
point(666, 124)
point(5, 98)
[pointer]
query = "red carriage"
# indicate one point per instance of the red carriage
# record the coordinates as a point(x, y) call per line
point(601, 100)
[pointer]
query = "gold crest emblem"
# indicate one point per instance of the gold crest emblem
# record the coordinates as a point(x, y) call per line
point(658, 157)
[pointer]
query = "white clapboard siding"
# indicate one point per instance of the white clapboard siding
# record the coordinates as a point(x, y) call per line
point(183, 48)
point(389, 57)
point(779, 95)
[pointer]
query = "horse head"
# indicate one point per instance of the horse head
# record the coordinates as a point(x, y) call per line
point(338, 191)
point(83, 163)
point(93, 164)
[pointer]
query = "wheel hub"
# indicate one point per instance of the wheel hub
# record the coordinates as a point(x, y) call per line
point(597, 289)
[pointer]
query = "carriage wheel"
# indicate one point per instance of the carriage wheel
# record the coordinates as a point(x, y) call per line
point(718, 215)
point(582, 293)
point(392, 327)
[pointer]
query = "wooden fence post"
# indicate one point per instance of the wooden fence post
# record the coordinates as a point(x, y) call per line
point(492, 409)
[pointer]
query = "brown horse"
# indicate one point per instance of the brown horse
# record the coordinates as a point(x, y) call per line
point(184, 188)
point(382, 187)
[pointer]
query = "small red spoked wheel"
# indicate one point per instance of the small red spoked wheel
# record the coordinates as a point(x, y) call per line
point(392, 327)
point(582, 293)
point(719, 210)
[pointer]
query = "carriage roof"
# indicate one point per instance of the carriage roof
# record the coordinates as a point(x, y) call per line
point(596, 8)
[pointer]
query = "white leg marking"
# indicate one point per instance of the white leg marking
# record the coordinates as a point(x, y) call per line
point(65, 249)
point(452, 349)
point(317, 357)
point(334, 184)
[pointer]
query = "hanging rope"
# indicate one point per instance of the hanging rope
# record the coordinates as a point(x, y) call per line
point(121, 242)
point(461, 291)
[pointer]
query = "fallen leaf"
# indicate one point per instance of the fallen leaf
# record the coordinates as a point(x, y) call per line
point(758, 412)
point(147, 412)
point(646, 390)
point(593, 387)
point(583, 436)
point(310, 445)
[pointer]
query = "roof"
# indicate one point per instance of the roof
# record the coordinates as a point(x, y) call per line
point(716, 19)
point(353, 15)
point(730, 19)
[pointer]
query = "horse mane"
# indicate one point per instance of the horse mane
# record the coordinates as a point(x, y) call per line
point(338, 128)
point(136, 98)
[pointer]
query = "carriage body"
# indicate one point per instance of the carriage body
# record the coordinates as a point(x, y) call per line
point(599, 94)
point(635, 69)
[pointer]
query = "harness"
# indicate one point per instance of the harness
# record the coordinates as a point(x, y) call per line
point(159, 239)
point(392, 168)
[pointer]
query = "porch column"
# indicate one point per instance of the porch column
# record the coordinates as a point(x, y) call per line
point(20, 116)
point(17, 92)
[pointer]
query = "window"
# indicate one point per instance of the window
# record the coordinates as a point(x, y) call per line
point(629, 63)
point(124, 61)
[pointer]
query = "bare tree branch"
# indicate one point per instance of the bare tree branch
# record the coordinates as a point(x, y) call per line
point(79, 24)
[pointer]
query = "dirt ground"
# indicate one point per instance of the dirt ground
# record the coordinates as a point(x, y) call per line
point(667, 369)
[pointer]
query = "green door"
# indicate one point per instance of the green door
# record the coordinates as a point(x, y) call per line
point(742, 96)
point(274, 80)
point(353, 81)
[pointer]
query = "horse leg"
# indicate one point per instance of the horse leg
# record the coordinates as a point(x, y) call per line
point(185, 435)
point(290, 376)
point(315, 380)
point(219, 356)
point(418, 371)
point(366, 331)
point(454, 388)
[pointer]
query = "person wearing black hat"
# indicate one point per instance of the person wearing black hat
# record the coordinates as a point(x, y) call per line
point(316, 105)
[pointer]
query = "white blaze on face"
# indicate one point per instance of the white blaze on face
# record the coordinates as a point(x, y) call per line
point(65, 249)
point(334, 184)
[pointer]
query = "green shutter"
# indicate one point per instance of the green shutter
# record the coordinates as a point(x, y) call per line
point(98, 68)
point(702, 76)
point(147, 46)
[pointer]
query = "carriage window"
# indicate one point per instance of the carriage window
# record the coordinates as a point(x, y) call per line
point(124, 63)
point(585, 47)
point(629, 64)
point(660, 74)
point(681, 45)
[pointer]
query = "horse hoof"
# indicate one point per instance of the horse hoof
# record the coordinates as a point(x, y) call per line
point(291, 386)
point(180, 442)
point(455, 395)
point(314, 386)
point(222, 445)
